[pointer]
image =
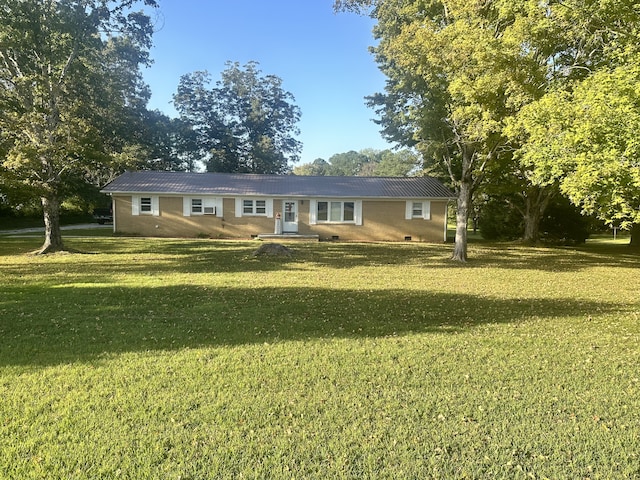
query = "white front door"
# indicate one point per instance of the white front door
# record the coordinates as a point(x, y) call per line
point(290, 216)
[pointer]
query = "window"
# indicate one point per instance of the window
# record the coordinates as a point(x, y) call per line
point(418, 210)
point(323, 211)
point(202, 206)
point(254, 207)
point(348, 212)
point(250, 207)
point(146, 205)
point(336, 212)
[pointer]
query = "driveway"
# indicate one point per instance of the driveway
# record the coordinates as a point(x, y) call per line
point(81, 226)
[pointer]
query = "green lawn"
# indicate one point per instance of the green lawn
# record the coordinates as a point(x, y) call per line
point(191, 359)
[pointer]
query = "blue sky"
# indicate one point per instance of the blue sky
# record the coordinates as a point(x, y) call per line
point(322, 58)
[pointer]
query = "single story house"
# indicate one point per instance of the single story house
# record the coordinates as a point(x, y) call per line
point(179, 204)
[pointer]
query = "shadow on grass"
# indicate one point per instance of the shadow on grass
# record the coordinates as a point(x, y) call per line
point(214, 256)
point(232, 255)
point(47, 326)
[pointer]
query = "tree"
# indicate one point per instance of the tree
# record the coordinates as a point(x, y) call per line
point(402, 163)
point(246, 123)
point(367, 162)
point(586, 141)
point(319, 167)
point(604, 169)
point(458, 70)
point(69, 73)
point(452, 78)
point(348, 164)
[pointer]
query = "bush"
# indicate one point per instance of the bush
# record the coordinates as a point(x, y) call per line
point(563, 223)
point(499, 220)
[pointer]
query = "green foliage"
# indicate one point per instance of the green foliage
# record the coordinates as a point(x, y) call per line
point(604, 170)
point(562, 223)
point(319, 167)
point(586, 141)
point(192, 359)
point(348, 164)
point(70, 93)
point(499, 220)
point(246, 123)
point(458, 71)
point(402, 163)
point(368, 162)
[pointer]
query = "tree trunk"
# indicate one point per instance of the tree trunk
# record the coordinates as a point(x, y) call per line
point(52, 232)
point(536, 203)
point(462, 219)
point(635, 235)
point(532, 216)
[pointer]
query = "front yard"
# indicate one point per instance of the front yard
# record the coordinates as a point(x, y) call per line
point(192, 359)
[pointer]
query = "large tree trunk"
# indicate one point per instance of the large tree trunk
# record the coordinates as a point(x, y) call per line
point(52, 232)
point(536, 203)
point(462, 219)
point(635, 235)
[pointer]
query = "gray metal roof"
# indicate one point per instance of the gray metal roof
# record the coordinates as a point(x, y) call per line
point(228, 184)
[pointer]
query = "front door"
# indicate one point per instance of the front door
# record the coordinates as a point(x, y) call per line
point(290, 216)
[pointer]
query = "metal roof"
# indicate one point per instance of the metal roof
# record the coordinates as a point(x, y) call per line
point(229, 184)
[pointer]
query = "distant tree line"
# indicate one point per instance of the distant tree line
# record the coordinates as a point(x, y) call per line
point(368, 162)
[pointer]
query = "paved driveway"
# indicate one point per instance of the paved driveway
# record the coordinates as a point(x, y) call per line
point(25, 231)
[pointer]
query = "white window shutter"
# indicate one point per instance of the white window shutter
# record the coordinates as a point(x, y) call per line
point(408, 212)
point(313, 212)
point(426, 210)
point(358, 212)
point(155, 206)
point(269, 204)
point(238, 207)
point(135, 205)
point(186, 206)
point(219, 207)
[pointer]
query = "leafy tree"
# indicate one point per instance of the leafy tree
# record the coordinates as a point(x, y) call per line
point(457, 70)
point(586, 140)
point(68, 75)
point(604, 165)
point(402, 163)
point(246, 123)
point(185, 145)
point(498, 219)
point(452, 78)
point(348, 164)
point(367, 162)
point(501, 219)
point(319, 167)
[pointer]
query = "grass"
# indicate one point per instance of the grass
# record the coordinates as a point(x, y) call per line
point(192, 359)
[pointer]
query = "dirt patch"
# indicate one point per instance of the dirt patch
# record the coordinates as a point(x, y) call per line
point(272, 250)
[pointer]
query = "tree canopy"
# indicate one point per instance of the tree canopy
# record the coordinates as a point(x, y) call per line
point(458, 71)
point(367, 162)
point(70, 89)
point(586, 141)
point(245, 123)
